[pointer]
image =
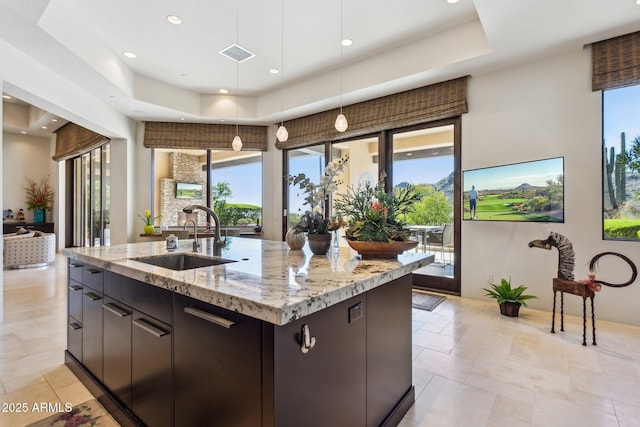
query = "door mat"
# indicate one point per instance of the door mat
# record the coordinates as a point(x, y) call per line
point(87, 414)
point(425, 301)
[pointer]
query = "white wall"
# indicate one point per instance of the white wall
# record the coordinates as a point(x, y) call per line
point(25, 157)
point(534, 111)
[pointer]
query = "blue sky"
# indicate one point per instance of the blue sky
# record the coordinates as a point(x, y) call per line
point(422, 171)
point(509, 176)
point(622, 114)
point(245, 181)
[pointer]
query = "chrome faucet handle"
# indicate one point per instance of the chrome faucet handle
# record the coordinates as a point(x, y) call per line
point(196, 246)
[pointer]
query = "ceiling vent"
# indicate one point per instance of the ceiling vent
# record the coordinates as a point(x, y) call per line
point(236, 53)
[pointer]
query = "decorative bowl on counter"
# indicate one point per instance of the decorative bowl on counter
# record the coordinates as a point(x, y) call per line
point(372, 250)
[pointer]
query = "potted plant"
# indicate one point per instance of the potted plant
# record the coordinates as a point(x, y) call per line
point(148, 221)
point(375, 219)
point(509, 299)
point(314, 222)
point(39, 199)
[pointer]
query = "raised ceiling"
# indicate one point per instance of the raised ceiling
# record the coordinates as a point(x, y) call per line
point(397, 45)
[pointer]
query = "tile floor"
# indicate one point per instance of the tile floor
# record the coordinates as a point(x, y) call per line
point(472, 367)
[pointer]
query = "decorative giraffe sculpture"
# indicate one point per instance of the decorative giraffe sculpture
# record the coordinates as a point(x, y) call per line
point(565, 281)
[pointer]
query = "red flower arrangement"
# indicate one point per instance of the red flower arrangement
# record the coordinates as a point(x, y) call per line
point(39, 196)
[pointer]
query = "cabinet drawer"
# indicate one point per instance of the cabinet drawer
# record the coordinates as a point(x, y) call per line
point(149, 299)
point(75, 270)
point(74, 337)
point(74, 293)
point(93, 277)
point(151, 371)
point(116, 363)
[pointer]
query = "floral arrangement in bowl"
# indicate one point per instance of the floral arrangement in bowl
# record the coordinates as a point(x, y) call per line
point(39, 196)
point(314, 221)
point(374, 215)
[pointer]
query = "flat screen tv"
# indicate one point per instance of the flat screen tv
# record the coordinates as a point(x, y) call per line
point(526, 192)
point(188, 190)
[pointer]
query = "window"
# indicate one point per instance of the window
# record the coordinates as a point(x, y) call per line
point(311, 162)
point(232, 179)
point(621, 163)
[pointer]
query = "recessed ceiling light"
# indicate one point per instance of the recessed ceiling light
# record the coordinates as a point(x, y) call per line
point(24, 132)
point(6, 96)
point(638, 2)
point(452, 1)
point(409, 154)
point(223, 91)
point(173, 19)
point(44, 127)
point(129, 54)
point(346, 42)
point(54, 120)
point(274, 71)
point(182, 118)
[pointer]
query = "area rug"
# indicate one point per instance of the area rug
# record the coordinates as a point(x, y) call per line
point(87, 414)
point(424, 301)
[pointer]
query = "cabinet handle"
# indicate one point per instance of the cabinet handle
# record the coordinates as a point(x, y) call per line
point(75, 326)
point(75, 265)
point(94, 271)
point(220, 321)
point(149, 327)
point(120, 312)
point(75, 288)
point(94, 297)
point(307, 342)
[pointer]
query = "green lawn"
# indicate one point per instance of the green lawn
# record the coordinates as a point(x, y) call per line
point(493, 208)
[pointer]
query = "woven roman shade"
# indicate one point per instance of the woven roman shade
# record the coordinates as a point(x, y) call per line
point(434, 102)
point(203, 136)
point(73, 140)
point(616, 62)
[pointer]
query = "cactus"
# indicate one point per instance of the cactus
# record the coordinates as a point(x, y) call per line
point(621, 172)
point(609, 199)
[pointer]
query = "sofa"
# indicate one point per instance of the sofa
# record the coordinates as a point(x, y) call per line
point(28, 249)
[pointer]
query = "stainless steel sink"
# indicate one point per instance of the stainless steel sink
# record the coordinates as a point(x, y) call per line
point(183, 261)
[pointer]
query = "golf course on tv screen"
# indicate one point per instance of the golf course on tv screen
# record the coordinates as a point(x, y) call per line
point(529, 191)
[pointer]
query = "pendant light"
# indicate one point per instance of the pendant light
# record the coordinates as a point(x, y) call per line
point(282, 134)
point(236, 144)
point(341, 123)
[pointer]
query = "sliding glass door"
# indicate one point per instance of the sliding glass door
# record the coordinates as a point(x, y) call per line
point(425, 157)
point(91, 192)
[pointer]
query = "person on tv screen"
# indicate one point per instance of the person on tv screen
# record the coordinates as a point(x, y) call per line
point(473, 202)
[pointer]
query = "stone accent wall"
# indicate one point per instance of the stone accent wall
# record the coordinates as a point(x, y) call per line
point(183, 168)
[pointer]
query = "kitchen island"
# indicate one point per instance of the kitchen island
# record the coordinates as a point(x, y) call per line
point(272, 338)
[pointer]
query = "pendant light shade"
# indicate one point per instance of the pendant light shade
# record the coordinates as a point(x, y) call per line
point(237, 143)
point(341, 123)
point(282, 134)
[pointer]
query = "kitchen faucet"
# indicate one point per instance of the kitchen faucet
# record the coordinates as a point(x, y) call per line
point(196, 244)
point(216, 237)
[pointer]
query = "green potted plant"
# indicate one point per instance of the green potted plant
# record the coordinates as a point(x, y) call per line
point(509, 299)
point(376, 226)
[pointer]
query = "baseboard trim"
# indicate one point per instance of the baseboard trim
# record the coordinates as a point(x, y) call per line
point(119, 412)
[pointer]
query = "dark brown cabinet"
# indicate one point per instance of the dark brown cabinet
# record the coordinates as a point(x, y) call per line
point(117, 349)
point(92, 331)
point(165, 359)
point(327, 385)
point(151, 371)
point(92, 327)
point(217, 366)
point(12, 227)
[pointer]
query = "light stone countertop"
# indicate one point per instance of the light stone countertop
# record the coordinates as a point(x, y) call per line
point(269, 282)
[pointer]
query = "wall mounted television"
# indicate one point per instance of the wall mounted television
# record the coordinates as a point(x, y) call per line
point(526, 192)
point(188, 190)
